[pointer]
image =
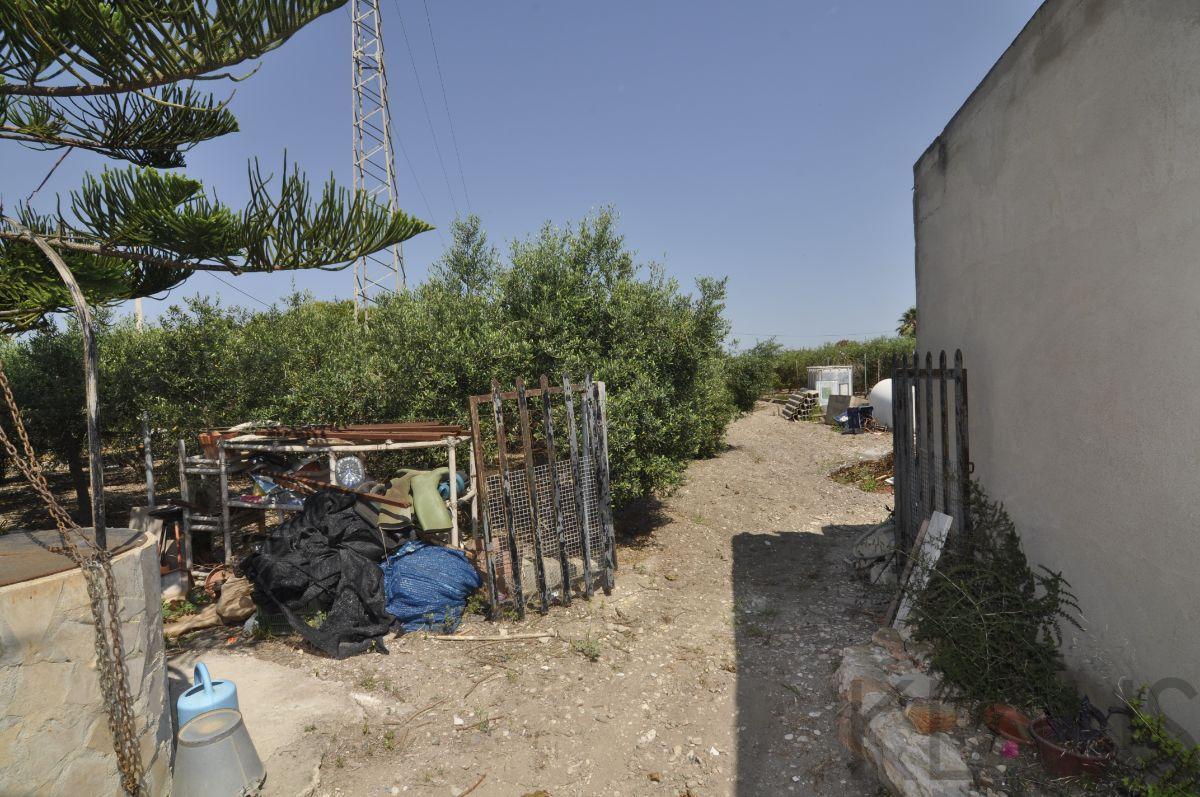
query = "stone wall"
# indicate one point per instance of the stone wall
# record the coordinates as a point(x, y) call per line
point(875, 684)
point(54, 736)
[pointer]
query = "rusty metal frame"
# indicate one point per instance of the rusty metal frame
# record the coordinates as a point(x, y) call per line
point(534, 492)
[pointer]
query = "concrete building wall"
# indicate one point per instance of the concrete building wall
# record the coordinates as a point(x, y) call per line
point(1058, 245)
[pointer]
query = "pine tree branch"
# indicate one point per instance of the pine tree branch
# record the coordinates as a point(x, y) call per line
point(146, 129)
point(135, 232)
point(138, 44)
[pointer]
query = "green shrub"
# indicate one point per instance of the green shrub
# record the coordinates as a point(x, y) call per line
point(1169, 767)
point(568, 300)
point(752, 373)
point(992, 621)
point(871, 360)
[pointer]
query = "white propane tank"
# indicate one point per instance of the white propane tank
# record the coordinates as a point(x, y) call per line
point(880, 399)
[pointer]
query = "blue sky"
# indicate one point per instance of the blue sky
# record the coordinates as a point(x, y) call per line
point(770, 142)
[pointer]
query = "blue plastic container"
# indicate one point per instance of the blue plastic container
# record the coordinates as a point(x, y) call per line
point(205, 695)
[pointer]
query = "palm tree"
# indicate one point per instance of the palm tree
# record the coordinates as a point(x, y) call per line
point(907, 326)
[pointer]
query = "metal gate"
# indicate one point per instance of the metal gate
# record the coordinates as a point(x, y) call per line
point(930, 444)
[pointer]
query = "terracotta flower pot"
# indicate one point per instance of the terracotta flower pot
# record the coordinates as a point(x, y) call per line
point(1063, 763)
point(1009, 722)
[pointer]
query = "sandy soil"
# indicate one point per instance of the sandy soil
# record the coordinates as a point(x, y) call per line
point(706, 672)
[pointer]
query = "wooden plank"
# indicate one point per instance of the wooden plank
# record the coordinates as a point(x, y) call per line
point(581, 512)
point(481, 496)
point(560, 532)
point(506, 485)
point(964, 448)
point(535, 521)
point(533, 392)
point(925, 558)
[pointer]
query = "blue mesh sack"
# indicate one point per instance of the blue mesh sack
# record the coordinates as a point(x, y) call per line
point(426, 586)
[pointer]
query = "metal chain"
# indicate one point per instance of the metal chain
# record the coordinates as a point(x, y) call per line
point(96, 567)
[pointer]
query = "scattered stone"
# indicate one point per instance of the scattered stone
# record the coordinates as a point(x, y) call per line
point(655, 776)
point(915, 685)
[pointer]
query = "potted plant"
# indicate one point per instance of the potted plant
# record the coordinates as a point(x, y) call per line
point(1076, 744)
point(1008, 721)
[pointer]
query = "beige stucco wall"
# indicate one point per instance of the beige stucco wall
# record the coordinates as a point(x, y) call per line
point(1058, 244)
point(54, 736)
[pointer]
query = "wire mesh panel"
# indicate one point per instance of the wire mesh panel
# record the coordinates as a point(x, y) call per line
point(523, 526)
point(534, 534)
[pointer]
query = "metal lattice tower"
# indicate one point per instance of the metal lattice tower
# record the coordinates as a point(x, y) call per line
point(374, 162)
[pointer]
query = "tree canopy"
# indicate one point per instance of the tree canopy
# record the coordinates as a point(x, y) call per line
point(120, 80)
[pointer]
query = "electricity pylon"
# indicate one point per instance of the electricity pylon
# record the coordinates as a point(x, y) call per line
point(374, 166)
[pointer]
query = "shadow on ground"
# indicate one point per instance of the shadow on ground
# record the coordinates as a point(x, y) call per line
point(796, 605)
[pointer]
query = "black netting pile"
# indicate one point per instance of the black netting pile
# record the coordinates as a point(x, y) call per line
point(326, 560)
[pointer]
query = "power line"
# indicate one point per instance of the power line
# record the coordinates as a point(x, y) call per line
point(417, 182)
point(446, 102)
point(428, 117)
point(226, 282)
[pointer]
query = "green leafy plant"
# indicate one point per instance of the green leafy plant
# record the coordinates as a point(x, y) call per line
point(565, 300)
point(1169, 767)
point(194, 601)
point(588, 647)
point(992, 620)
point(870, 359)
point(752, 373)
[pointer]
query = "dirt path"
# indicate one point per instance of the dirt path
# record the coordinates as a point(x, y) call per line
point(712, 656)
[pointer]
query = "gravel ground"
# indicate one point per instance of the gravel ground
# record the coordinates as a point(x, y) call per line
point(706, 672)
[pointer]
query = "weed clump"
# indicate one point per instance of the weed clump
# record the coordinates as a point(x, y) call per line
point(992, 620)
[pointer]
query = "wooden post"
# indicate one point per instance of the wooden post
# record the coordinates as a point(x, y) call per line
point(479, 505)
point(186, 499)
point(514, 552)
point(91, 381)
point(560, 532)
point(226, 531)
point(535, 515)
point(581, 510)
point(146, 441)
point(964, 448)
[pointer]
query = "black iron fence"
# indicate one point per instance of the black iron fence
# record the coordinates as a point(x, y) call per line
point(930, 444)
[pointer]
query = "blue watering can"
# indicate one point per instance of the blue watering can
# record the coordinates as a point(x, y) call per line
point(205, 695)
